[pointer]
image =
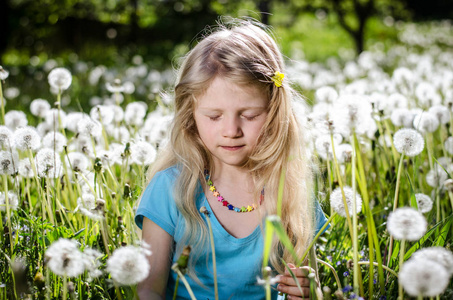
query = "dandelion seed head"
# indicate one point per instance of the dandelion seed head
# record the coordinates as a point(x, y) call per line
point(336, 201)
point(6, 137)
point(13, 200)
point(426, 122)
point(448, 144)
point(423, 277)
point(48, 163)
point(326, 94)
point(64, 258)
point(323, 145)
point(25, 168)
point(118, 113)
point(441, 112)
point(60, 79)
point(135, 113)
point(128, 265)
point(77, 161)
point(344, 153)
point(424, 203)
point(115, 87)
point(89, 127)
point(15, 119)
point(3, 73)
point(408, 141)
point(436, 176)
point(406, 224)
point(402, 117)
point(39, 107)
point(396, 100)
point(73, 118)
point(427, 95)
point(9, 162)
point(143, 153)
point(52, 116)
point(438, 254)
point(92, 263)
point(120, 134)
point(91, 207)
point(55, 141)
point(26, 138)
point(102, 113)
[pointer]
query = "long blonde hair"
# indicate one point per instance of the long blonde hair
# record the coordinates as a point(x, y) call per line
point(244, 54)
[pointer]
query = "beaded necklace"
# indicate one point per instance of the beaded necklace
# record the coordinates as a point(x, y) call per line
point(226, 203)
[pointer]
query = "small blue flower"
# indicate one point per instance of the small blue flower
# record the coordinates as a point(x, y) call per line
point(329, 257)
point(383, 298)
point(338, 263)
point(353, 296)
point(347, 288)
point(374, 281)
point(346, 274)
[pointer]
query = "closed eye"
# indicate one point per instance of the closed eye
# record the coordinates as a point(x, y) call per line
point(214, 118)
point(250, 118)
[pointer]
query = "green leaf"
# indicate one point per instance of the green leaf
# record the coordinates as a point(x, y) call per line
point(276, 223)
point(267, 242)
point(440, 241)
point(77, 233)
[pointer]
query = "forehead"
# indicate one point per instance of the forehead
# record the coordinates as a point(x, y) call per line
point(224, 94)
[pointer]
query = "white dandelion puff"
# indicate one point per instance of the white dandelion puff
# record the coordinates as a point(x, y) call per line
point(424, 203)
point(426, 122)
point(143, 153)
point(26, 138)
point(77, 161)
point(48, 163)
point(73, 118)
point(438, 254)
point(6, 137)
point(118, 113)
point(406, 224)
point(91, 207)
point(135, 113)
point(60, 79)
point(427, 95)
point(54, 118)
point(89, 127)
point(102, 113)
point(436, 176)
point(441, 112)
point(402, 117)
point(128, 265)
point(323, 145)
point(63, 257)
point(39, 107)
point(448, 144)
point(9, 162)
point(408, 141)
point(336, 201)
point(423, 278)
point(13, 201)
point(326, 94)
point(3, 73)
point(92, 263)
point(343, 153)
point(25, 168)
point(55, 141)
point(15, 119)
point(115, 86)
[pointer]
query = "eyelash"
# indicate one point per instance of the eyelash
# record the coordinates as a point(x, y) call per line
point(216, 118)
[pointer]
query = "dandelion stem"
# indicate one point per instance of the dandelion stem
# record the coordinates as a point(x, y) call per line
point(214, 265)
point(383, 266)
point(337, 279)
point(175, 293)
point(8, 212)
point(340, 182)
point(354, 225)
point(401, 261)
point(65, 287)
point(3, 103)
point(184, 281)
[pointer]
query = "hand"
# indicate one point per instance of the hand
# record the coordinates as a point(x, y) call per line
point(289, 286)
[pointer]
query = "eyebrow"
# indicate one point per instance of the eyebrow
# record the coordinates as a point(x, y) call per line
point(241, 109)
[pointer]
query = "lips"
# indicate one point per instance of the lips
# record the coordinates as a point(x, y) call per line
point(232, 148)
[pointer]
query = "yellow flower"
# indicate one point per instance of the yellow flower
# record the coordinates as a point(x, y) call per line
point(278, 78)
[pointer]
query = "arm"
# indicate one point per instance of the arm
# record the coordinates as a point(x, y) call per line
point(154, 286)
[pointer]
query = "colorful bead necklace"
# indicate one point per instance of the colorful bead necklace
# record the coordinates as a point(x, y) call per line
point(224, 202)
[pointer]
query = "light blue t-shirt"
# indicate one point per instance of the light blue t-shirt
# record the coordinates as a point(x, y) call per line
point(238, 260)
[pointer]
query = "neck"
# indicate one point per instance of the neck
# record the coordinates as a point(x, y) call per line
point(233, 175)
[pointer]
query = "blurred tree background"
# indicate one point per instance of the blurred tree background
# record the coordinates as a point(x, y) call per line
point(157, 32)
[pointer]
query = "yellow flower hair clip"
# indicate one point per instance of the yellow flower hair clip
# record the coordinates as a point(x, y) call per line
point(278, 78)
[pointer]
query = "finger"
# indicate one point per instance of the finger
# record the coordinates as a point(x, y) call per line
point(288, 280)
point(300, 272)
point(297, 298)
point(294, 290)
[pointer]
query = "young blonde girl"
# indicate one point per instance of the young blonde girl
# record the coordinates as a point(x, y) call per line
point(234, 133)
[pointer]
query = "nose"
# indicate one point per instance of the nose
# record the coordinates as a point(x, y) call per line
point(232, 127)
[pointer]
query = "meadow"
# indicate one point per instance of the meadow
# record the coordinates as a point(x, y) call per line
point(380, 133)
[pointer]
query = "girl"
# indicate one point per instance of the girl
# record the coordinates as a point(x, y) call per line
point(234, 132)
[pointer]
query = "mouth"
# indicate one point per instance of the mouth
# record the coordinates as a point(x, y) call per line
point(232, 148)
